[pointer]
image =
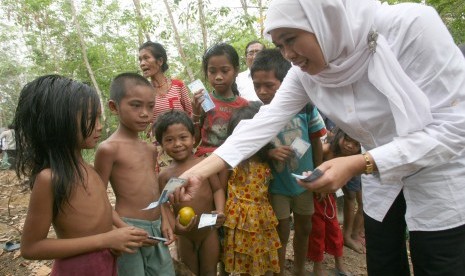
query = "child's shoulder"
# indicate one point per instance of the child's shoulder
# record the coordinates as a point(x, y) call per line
point(44, 177)
point(196, 159)
point(166, 174)
point(175, 168)
point(107, 146)
point(149, 146)
point(42, 186)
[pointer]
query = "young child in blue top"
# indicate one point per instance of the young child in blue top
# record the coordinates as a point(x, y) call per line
point(268, 71)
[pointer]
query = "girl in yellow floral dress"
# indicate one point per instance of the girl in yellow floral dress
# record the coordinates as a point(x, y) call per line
point(251, 240)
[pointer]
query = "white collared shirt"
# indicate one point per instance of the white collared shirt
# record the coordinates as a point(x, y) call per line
point(245, 86)
point(428, 165)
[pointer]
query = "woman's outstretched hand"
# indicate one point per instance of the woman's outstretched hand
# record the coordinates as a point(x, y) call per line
point(187, 191)
point(336, 173)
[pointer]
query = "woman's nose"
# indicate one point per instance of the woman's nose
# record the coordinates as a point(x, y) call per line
point(289, 53)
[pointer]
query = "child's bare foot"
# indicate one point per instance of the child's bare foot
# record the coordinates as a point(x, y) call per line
point(319, 270)
point(342, 273)
point(341, 268)
point(355, 245)
point(361, 240)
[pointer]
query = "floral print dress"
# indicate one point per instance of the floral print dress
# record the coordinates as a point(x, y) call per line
point(251, 240)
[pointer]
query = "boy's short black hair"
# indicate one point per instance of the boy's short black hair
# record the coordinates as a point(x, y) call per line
point(119, 85)
point(271, 60)
point(170, 118)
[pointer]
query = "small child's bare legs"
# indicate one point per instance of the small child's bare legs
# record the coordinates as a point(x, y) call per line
point(302, 229)
point(340, 265)
point(201, 256)
point(319, 269)
point(359, 229)
point(284, 230)
point(351, 222)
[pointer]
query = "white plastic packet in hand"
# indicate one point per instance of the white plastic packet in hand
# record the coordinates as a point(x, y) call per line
point(309, 178)
point(300, 147)
point(207, 220)
point(207, 103)
point(172, 184)
point(339, 193)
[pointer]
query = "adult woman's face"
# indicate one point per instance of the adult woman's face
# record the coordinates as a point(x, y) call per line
point(301, 48)
point(149, 65)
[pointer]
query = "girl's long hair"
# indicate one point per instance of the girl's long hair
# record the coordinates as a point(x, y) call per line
point(222, 49)
point(52, 113)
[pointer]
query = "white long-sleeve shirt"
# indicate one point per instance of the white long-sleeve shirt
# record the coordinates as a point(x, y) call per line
point(245, 86)
point(428, 165)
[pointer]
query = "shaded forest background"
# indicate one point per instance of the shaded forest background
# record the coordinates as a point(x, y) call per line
point(94, 40)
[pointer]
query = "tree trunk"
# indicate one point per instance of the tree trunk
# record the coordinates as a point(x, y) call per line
point(86, 60)
point(140, 25)
point(261, 17)
point(244, 7)
point(202, 24)
point(178, 41)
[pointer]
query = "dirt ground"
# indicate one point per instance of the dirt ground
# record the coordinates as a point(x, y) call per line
point(14, 198)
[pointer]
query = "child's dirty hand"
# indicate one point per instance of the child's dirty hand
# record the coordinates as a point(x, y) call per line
point(220, 219)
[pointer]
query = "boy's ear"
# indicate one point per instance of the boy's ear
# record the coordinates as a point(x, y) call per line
point(113, 107)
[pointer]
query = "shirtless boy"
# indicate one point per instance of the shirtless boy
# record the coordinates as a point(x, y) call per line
point(199, 249)
point(129, 164)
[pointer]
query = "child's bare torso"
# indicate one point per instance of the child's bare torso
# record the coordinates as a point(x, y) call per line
point(133, 178)
point(89, 210)
point(202, 202)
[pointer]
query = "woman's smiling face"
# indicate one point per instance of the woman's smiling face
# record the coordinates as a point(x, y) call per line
point(301, 48)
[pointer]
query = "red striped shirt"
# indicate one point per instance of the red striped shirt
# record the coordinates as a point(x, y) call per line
point(177, 98)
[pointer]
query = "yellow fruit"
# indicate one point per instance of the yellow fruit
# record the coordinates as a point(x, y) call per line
point(185, 215)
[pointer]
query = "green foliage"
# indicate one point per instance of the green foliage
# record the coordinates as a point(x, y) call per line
point(38, 37)
point(452, 13)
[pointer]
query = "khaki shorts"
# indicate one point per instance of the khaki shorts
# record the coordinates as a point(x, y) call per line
point(300, 204)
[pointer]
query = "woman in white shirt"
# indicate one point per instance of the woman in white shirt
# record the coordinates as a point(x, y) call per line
point(392, 78)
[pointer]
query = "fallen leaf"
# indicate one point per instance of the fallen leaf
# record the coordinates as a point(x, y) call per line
point(43, 271)
point(17, 254)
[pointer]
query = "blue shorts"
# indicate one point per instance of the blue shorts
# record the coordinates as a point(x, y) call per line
point(354, 184)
